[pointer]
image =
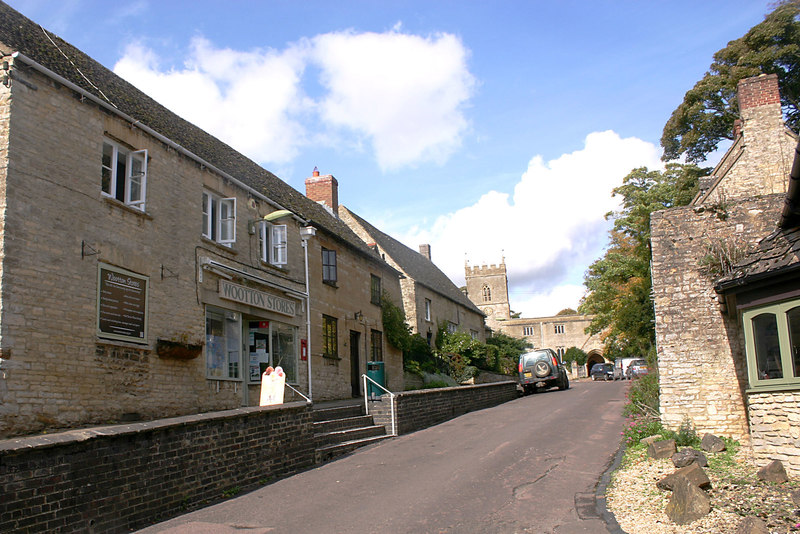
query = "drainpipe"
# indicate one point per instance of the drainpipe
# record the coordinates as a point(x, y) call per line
point(305, 234)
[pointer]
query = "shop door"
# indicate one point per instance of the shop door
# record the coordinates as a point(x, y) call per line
point(355, 368)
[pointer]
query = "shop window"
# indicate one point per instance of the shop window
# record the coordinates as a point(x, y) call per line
point(375, 290)
point(330, 341)
point(376, 343)
point(223, 342)
point(124, 174)
point(219, 218)
point(284, 349)
point(273, 243)
point(772, 344)
point(329, 275)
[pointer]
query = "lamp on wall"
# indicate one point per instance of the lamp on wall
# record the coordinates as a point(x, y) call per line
point(269, 217)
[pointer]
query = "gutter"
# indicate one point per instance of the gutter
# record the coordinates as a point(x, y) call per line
point(135, 122)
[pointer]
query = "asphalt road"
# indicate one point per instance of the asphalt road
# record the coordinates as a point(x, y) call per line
point(529, 465)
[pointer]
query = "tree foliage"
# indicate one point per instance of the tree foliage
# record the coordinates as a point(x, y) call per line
point(567, 311)
point(618, 284)
point(706, 115)
point(508, 351)
point(574, 354)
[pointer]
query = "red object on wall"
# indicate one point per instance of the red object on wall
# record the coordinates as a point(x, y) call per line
point(303, 349)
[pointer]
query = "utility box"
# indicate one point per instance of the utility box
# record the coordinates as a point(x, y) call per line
point(377, 372)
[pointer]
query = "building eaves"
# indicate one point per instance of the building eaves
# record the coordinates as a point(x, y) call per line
point(415, 265)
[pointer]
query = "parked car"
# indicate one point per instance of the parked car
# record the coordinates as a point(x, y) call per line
point(621, 368)
point(602, 371)
point(541, 369)
point(637, 368)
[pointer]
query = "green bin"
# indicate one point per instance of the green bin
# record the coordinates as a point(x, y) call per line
point(375, 371)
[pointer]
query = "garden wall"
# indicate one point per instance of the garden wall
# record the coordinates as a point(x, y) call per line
point(123, 477)
point(427, 407)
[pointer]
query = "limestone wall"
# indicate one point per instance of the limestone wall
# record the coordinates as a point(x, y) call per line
point(701, 360)
point(775, 428)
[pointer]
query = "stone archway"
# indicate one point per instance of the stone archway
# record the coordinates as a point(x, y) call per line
point(594, 356)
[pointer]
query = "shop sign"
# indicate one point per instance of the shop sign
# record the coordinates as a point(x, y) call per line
point(122, 305)
point(259, 299)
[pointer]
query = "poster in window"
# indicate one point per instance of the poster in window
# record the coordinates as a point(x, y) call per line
point(122, 305)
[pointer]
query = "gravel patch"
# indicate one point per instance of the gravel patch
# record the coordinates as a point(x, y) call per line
point(736, 493)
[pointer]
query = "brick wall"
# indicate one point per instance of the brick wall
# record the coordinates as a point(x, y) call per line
point(420, 409)
point(114, 479)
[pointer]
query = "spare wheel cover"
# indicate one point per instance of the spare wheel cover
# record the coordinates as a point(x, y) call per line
point(541, 369)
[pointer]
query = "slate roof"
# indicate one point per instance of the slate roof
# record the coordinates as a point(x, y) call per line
point(416, 266)
point(779, 252)
point(25, 36)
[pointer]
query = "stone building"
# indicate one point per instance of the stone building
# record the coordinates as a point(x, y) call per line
point(150, 270)
point(487, 287)
point(429, 297)
point(708, 361)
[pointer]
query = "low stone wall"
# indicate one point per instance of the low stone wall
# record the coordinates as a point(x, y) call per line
point(775, 428)
point(114, 479)
point(420, 409)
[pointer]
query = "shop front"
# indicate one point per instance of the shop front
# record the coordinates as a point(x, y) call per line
point(249, 328)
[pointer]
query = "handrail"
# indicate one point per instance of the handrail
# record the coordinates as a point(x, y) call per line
point(298, 392)
point(391, 402)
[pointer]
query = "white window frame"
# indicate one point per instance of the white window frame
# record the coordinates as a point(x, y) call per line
point(274, 243)
point(559, 328)
point(219, 218)
point(427, 309)
point(133, 158)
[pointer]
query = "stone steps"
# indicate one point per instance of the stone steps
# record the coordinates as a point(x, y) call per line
point(342, 429)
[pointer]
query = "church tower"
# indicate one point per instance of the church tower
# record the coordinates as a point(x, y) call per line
point(487, 288)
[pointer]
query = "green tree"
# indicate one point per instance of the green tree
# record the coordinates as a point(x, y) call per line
point(567, 311)
point(618, 284)
point(509, 349)
point(706, 115)
point(574, 354)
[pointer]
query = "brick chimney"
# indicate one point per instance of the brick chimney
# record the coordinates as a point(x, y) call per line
point(425, 250)
point(758, 91)
point(323, 190)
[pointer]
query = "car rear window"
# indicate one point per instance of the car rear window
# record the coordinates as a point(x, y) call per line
point(530, 358)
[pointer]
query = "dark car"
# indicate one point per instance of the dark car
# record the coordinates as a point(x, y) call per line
point(602, 371)
point(541, 369)
point(637, 368)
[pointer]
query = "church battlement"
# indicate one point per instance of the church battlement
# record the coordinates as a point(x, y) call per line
point(483, 270)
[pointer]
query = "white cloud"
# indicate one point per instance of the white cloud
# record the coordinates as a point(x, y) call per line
point(402, 94)
point(552, 227)
point(250, 100)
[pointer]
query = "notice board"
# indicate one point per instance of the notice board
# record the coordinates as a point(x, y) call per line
point(122, 304)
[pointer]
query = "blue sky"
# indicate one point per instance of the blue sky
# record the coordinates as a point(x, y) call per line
point(486, 129)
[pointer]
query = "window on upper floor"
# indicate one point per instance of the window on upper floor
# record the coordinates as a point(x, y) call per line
point(473, 334)
point(772, 344)
point(375, 289)
point(272, 240)
point(527, 330)
point(329, 275)
point(219, 218)
point(124, 174)
point(330, 337)
point(427, 309)
point(487, 293)
point(452, 327)
point(559, 329)
point(376, 345)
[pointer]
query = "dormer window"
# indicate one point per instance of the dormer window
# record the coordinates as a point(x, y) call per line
point(124, 174)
